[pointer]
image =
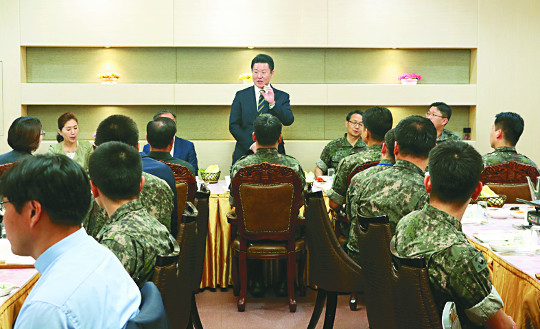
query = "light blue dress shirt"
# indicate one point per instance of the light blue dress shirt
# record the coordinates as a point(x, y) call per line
point(82, 285)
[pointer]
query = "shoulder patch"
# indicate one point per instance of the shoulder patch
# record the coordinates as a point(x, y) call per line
point(479, 262)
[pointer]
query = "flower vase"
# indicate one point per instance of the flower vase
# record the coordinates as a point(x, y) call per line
point(409, 81)
point(247, 81)
point(107, 81)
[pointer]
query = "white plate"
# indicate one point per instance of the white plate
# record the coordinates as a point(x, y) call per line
point(518, 213)
point(5, 288)
point(498, 213)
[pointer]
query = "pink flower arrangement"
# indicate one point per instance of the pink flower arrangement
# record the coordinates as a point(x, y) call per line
point(410, 76)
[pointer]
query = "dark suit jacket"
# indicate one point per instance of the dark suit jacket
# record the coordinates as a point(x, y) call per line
point(183, 150)
point(13, 156)
point(244, 112)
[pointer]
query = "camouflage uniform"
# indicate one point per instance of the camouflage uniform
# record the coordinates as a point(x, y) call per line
point(270, 155)
point(457, 271)
point(352, 197)
point(336, 150)
point(395, 192)
point(448, 135)
point(156, 196)
point(504, 154)
point(345, 168)
point(136, 238)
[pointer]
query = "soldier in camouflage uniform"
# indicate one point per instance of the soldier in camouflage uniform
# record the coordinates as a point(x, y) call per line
point(504, 136)
point(156, 197)
point(131, 233)
point(387, 161)
point(339, 148)
point(269, 134)
point(377, 122)
point(439, 113)
point(457, 271)
point(398, 190)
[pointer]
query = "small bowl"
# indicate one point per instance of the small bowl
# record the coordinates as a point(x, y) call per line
point(5, 288)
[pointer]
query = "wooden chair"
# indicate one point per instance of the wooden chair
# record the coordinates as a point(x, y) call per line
point(166, 280)
point(181, 292)
point(5, 167)
point(201, 202)
point(508, 173)
point(509, 178)
point(374, 237)
point(331, 269)
point(186, 186)
point(268, 198)
point(360, 168)
point(414, 305)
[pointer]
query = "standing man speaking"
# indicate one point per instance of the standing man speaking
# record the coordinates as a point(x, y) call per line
point(251, 102)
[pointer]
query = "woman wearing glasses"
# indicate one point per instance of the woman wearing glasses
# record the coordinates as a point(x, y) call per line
point(24, 137)
point(68, 129)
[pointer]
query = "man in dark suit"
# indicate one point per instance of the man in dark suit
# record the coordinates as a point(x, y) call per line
point(182, 149)
point(261, 98)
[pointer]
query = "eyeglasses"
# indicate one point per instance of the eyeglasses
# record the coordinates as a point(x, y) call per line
point(2, 207)
point(43, 133)
point(356, 124)
point(430, 114)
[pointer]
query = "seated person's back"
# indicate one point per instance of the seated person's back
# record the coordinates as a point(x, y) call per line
point(182, 149)
point(156, 197)
point(121, 128)
point(131, 233)
point(504, 136)
point(267, 136)
point(160, 135)
point(376, 123)
point(457, 271)
point(399, 190)
point(24, 137)
point(82, 284)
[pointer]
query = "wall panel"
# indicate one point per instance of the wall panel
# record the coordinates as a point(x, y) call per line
point(233, 23)
point(403, 23)
point(96, 23)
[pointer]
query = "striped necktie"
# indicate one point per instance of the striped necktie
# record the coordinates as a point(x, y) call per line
point(261, 103)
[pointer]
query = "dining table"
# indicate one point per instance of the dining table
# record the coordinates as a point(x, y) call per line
point(512, 250)
point(10, 305)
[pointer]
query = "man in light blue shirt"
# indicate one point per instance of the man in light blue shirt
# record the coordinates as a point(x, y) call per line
point(82, 284)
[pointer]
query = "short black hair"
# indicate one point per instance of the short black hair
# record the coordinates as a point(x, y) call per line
point(160, 132)
point(389, 140)
point(116, 169)
point(24, 134)
point(267, 129)
point(416, 136)
point(158, 114)
point(454, 169)
point(378, 120)
point(446, 111)
point(263, 58)
point(58, 183)
point(354, 112)
point(118, 128)
point(512, 125)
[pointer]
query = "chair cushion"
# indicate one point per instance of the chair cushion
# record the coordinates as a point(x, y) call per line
point(270, 215)
point(268, 247)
